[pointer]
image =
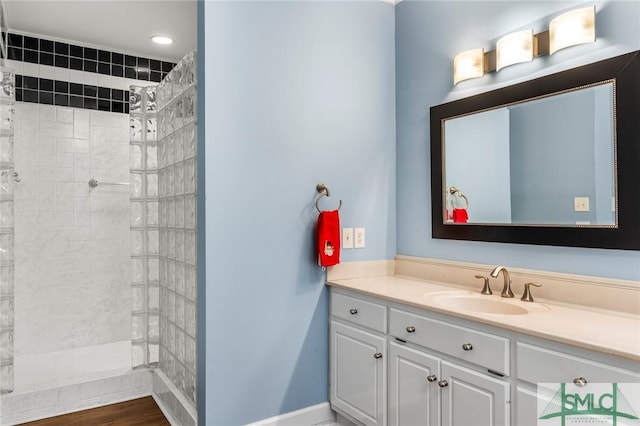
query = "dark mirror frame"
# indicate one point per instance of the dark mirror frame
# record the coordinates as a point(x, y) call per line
point(625, 69)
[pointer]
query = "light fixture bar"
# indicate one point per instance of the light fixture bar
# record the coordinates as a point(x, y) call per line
point(568, 29)
point(541, 44)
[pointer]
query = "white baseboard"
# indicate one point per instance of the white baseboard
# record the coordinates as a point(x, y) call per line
point(309, 416)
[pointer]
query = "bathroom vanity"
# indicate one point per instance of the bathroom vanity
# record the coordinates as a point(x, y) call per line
point(413, 352)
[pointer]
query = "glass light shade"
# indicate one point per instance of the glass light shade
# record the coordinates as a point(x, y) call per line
point(468, 64)
point(514, 48)
point(575, 27)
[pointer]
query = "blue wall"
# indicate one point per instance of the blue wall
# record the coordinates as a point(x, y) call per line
point(428, 35)
point(296, 93)
point(302, 92)
point(554, 162)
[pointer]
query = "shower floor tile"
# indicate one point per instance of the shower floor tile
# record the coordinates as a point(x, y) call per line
point(137, 412)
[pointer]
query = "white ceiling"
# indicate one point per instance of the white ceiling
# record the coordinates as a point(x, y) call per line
point(117, 25)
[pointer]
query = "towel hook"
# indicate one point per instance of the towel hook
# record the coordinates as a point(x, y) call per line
point(323, 190)
point(453, 190)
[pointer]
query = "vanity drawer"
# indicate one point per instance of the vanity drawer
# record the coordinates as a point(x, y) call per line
point(486, 350)
point(541, 365)
point(358, 311)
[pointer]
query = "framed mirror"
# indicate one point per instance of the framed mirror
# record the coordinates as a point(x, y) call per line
point(549, 161)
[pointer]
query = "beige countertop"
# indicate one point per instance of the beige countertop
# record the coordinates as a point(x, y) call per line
point(599, 330)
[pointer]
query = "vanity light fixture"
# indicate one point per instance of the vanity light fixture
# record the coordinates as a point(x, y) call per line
point(514, 48)
point(568, 29)
point(159, 39)
point(468, 64)
point(571, 28)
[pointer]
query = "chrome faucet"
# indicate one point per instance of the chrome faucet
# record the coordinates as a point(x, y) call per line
point(506, 290)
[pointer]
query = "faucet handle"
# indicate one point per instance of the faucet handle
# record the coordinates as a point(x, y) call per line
point(486, 289)
point(526, 296)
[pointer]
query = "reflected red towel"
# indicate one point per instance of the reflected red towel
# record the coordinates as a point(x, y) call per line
point(328, 232)
point(460, 216)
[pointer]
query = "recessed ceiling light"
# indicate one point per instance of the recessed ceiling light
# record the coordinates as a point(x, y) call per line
point(161, 39)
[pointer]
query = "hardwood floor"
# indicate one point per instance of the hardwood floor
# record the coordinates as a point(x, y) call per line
point(137, 412)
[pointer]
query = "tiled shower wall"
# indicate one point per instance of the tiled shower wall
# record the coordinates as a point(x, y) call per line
point(177, 212)
point(83, 234)
point(72, 242)
point(7, 117)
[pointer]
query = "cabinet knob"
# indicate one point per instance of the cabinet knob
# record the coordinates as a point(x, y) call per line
point(353, 311)
point(467, 346)
point(443, 383)
point(580, 381)
point(432, 378)
point(377, 355)
point(411, 329)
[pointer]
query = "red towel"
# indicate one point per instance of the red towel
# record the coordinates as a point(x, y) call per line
point(460, 216)
point(328, 231)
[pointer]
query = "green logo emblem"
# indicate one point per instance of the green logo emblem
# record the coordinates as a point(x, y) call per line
point(587, 407)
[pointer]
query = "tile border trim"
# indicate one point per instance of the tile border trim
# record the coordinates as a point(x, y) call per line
point(41, 51)
point(69, 94)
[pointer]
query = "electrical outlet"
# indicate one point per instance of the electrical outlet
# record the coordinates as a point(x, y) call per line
point(581, 204)
point(358, 237)
point(347, 238)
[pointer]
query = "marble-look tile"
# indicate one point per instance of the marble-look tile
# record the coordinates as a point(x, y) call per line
point(46, 113)
point(81, 123)
point(70, 237)
point(64, 115)
point(36, 333)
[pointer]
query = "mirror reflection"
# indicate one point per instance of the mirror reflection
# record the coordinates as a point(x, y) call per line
point(547, 161)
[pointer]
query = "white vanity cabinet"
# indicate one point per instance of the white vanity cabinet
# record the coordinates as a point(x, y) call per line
point(450, 394)
point(395, 363)
point(358, 359)
point(426, 386)
point(545, 362)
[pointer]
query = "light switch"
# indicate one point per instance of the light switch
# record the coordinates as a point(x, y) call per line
point(358, 237)
point(347, 238)
point(581, 204)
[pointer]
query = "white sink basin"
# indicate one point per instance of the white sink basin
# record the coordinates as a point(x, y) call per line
point(483, 304)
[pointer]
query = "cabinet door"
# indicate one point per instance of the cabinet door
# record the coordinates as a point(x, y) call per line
point(471, 398)
point(358, 373)
point(414, 395)
point(526, 412)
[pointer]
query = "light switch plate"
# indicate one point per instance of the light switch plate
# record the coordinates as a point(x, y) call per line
point(347, 238)
point(581, 204)
point(358, 238)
